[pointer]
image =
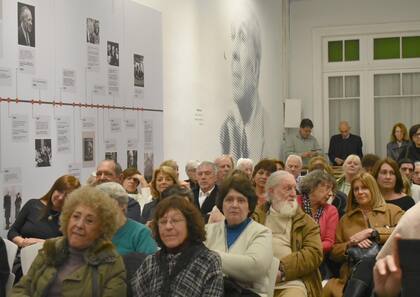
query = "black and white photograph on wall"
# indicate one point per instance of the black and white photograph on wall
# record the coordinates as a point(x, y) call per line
point(12, 204)
point(132, 159)
point(26, 24)
point(111, 156)
point(113, 55)
point(43, 152)
point(89, 149)
point(92, 31)
point(148, 166)
point(138, 71)
point(7, 208)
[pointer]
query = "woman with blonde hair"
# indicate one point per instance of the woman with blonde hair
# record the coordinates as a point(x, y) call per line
point(351, 167)
point(163, 178)
point(368, 218)
point(398, 141)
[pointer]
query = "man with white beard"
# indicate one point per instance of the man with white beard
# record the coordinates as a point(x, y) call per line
point(296, 239)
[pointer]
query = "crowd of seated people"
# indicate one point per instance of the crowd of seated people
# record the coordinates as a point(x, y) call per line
point(218, 232)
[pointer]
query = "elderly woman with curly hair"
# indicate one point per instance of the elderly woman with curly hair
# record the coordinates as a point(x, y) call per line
point(183, 266)
point(83, 262)
point(163, 178)
point(317, 187)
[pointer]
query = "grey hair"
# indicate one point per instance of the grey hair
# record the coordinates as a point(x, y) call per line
point(416, 164)
point(192, 164)
point(274, 180)
point(208, 163)
point(225, 157)
point(244, 161)
point(299, 158)
point(115, 191)
point(314, 178)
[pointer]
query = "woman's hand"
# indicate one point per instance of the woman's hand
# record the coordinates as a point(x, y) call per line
point(365, 244)
point(387, 273)
point(216, 215)
point(30, 241)
point(360, 236)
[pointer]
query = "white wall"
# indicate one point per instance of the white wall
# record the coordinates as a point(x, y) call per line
point(306, 15)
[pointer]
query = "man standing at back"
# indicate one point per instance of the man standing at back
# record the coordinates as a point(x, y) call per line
point(303, 143)
point(110, 171)
point(206, 194)
point(344, 144)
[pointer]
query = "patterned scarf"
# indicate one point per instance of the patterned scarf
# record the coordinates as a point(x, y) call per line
point(308, 210)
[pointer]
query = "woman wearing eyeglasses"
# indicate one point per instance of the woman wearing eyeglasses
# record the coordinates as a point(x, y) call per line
point(183, 266)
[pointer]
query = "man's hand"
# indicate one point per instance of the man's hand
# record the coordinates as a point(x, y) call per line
point(338, 161)
point(387, 273)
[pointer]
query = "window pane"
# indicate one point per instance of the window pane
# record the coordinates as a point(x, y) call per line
point(335, 51)
point(351, 51)
point(335, 87)
point(411, 47)
point(386, 48)
point(344, 110)
point(389, 111)
point(352, 86)
point(411, 83)
point(387, 84)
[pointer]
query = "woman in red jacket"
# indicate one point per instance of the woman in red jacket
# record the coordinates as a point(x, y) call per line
point(317, 187)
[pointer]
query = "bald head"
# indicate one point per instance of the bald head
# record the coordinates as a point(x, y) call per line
point(344, 129)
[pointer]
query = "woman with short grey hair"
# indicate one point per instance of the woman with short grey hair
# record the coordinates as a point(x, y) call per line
point(131, 236)
point(317, 187)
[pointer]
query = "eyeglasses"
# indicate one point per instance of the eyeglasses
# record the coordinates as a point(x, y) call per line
point(172, 222)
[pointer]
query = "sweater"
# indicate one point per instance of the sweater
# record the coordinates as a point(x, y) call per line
point(134, 237)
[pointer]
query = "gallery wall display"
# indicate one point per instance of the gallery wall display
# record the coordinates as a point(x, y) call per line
point(75, 88)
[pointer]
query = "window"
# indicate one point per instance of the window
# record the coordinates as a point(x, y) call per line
point(396, 99)
point(396, 47)
point(343, 101)
point(350, 50)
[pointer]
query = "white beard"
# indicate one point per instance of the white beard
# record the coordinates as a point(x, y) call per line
point(285, 209)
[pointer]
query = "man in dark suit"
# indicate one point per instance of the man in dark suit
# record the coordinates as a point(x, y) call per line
point(25, 34)
point(206, 193)
point(344, 144)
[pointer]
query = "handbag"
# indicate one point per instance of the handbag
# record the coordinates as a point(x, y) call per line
point(356, 254)
point(233, 289)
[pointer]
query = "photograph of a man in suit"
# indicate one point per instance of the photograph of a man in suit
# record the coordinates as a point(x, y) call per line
point(242, 134)
point(206, 193)
point(26, 25)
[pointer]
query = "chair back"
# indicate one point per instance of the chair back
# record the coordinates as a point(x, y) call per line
point(11, 249)
point(28, 254)
point(273, 275)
